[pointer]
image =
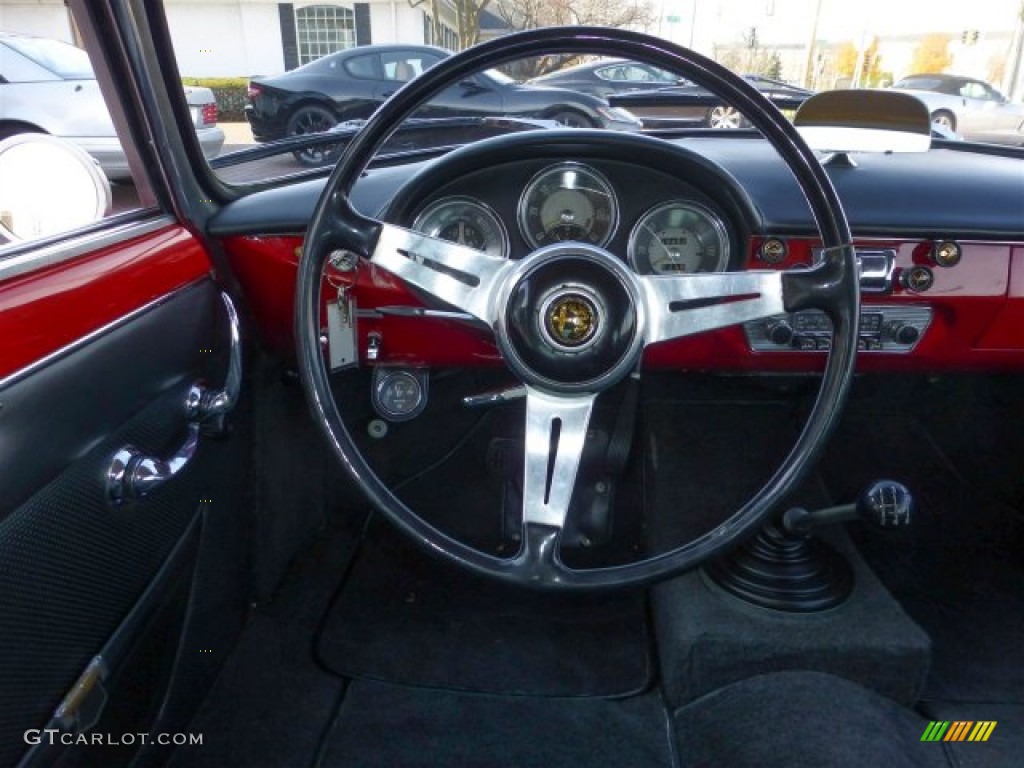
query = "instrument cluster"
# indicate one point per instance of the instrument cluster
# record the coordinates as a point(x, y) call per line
point(574, 202)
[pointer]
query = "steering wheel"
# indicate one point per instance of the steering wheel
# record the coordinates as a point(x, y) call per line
point(571, 320)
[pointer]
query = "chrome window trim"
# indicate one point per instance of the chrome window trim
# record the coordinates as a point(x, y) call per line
point(76, 246)
point(113, 325)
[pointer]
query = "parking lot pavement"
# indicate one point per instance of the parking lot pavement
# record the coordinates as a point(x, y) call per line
point(236, 136)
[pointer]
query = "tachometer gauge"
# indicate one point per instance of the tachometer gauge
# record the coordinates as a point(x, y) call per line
point(465, 221)
point(678, 237)
point(568, 201)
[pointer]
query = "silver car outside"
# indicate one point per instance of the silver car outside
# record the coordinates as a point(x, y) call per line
point(970, 107)
point(48, 86)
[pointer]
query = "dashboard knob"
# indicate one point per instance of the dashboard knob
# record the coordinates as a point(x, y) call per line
point(917, 279)
point(904, 333)
point(780, 332)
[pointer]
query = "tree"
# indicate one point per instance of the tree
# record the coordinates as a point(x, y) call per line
point(748, 57)
point(932, 55)
point(467, 19)
point(846, 60)
point(533, 14)
point(860, 68)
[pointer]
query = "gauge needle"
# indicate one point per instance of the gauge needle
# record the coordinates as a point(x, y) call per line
point(670, 255)
point(462, 232)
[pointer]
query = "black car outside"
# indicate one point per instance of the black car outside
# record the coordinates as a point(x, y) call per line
point(609, 76)
point(351, 84)
point(690, 106)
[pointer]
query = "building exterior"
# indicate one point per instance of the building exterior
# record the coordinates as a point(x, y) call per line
point(274, 36)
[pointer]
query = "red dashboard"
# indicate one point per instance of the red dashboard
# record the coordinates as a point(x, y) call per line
point(975, 310)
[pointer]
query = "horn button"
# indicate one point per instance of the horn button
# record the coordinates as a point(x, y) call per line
point(571, 321)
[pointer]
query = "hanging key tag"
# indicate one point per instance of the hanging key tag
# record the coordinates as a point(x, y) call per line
point(341, 331)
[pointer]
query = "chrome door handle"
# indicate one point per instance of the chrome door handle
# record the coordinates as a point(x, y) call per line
point(132, 474)
point(207, 406)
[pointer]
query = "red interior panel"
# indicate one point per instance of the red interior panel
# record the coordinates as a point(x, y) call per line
point(977, 305)
point(45, 310)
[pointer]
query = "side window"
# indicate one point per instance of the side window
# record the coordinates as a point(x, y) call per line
point(989, 93)
point(661, 76)
point(972, 90)
point(639, 74)
point(405, 65)
point(49, 88)
point(15, 67)
point(612, 74)
point(627, 73)
point(363, 66)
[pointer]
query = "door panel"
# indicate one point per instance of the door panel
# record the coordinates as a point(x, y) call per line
point(86, 286)
point(103, 349)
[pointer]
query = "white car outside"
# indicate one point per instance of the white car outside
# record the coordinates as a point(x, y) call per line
point(49, 86)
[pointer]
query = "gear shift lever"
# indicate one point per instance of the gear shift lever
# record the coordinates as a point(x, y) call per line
point(885, 504)
point(785, 568)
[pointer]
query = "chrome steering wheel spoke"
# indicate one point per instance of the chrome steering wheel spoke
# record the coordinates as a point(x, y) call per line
point(556, 429)
point(682, 305)
point(456, 274)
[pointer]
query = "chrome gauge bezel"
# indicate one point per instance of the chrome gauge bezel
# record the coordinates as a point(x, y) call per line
point(384, 377)
point(710, 217)
point(422, 222)
point(522, 212)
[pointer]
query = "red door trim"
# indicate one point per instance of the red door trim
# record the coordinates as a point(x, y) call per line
point(47, 310)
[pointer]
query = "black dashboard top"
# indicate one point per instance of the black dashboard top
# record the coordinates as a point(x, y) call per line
point(946, 192)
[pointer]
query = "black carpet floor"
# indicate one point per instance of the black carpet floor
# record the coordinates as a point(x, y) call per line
point(272, 703)
point(801, 719)
point(704, 460)
point(386, 726)
point(958, 571)
point(404, 617)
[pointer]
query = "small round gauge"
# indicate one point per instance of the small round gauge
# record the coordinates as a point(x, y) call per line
point(465, 221)
point(568, 201)
point(398, 394)
point(678, 237)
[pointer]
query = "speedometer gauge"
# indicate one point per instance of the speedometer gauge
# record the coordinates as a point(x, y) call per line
point(678, 237)
point(465, 221)
point(568, 201)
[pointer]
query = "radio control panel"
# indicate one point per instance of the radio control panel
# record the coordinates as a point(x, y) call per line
point(882, 329)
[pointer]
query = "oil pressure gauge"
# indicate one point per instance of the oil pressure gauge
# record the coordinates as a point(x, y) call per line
point(399, 394)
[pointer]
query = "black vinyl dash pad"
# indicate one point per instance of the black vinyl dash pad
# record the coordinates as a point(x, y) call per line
point(406, 618)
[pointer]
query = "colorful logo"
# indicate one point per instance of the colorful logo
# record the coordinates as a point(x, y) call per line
point(571, 320)
point(959, 730)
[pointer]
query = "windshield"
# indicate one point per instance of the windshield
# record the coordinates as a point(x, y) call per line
point(62, 59)
point(317, 67)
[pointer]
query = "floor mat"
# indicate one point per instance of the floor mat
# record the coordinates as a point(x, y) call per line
point(404, 617)
point(395, 727)
point(272, 703)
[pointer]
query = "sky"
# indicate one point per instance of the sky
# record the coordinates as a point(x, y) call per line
point(781, 21)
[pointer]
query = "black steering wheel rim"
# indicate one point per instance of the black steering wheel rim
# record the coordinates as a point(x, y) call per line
point(831, 285)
